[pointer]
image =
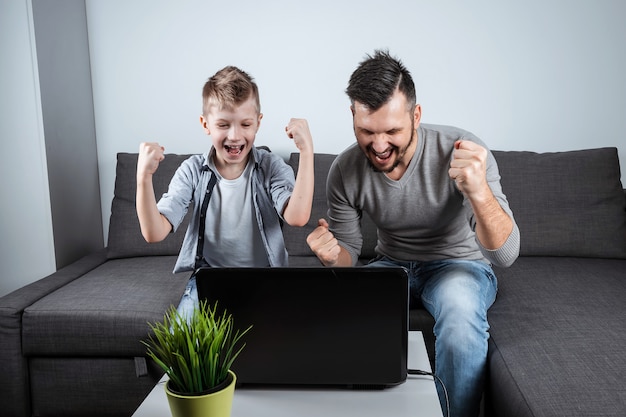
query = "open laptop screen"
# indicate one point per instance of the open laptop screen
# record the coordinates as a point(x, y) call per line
point(315, 325)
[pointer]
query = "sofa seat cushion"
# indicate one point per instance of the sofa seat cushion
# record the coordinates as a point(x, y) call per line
point(558, 332)
point(105, 312)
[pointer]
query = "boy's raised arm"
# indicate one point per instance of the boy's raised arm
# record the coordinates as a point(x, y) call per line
point(298, 210)
point(154, 226)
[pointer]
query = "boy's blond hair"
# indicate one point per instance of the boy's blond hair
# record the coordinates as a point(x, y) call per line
point(228, 88)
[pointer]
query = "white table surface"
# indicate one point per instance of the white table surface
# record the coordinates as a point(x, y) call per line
point(415, 397)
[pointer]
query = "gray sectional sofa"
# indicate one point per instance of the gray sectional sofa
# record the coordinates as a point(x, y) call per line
point(70, 342)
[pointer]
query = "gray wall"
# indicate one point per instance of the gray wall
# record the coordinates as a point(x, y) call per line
point(69, 130)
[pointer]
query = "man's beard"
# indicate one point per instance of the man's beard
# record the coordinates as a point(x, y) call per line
point(401, 154)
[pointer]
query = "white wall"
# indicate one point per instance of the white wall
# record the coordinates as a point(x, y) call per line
point(534, 75)
point(26, 241)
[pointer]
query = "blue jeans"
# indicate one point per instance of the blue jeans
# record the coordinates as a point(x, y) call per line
point(189, 300)
point(457, 293)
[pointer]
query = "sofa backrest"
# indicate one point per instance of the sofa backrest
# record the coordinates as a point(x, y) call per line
point(125, 239)
point(566, 203)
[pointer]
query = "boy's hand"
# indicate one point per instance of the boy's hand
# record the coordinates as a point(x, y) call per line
point(298, 130)
point(150, 155)
point(154, 226)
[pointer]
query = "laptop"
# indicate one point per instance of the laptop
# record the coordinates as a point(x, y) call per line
point(315, 325)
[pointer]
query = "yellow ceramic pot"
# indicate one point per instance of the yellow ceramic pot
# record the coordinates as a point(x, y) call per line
point(215, 404)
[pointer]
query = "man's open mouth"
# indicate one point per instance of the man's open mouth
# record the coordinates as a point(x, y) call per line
point(234, 149)
point(382, 156)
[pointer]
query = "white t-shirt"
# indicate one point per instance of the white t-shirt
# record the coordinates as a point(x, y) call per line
point(233, 239)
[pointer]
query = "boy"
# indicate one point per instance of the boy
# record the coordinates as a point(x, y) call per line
point(241, 193)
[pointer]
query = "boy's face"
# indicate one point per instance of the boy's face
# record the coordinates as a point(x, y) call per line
point(232, 131)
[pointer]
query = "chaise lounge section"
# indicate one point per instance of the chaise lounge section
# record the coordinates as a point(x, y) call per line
point(558, 327)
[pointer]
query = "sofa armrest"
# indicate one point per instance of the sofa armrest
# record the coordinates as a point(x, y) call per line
point(14, 383)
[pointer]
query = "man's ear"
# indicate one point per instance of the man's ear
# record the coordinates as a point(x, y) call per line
point(352, 110)
point(205, 124)
point(417, 115)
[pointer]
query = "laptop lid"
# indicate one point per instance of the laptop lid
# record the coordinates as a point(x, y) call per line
point(315, 325)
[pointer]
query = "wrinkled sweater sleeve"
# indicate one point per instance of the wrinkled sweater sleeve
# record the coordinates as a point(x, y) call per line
point(344, 218)
point(506, 254)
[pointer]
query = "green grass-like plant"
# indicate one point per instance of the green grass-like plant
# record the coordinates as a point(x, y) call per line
point(196, 353)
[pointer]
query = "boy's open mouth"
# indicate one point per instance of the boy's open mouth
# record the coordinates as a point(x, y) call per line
point(234, 149)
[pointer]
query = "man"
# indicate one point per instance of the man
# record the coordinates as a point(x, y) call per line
point(435, 196)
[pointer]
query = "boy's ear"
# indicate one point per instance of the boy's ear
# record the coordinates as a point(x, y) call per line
point(205, 124)
point(258, 122)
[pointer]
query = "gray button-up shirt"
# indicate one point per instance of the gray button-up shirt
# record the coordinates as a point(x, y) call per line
point(272, 185)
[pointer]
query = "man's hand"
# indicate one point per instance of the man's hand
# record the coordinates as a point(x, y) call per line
point(150, 155)
point(323, 243)
point(468, 169)
point(298, 130)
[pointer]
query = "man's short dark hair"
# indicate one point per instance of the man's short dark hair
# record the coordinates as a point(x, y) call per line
point(377, 78)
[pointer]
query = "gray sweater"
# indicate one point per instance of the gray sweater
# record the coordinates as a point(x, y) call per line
point(422, 216)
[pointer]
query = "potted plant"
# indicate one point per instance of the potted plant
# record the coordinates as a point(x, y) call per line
point(197, 353)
